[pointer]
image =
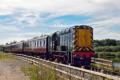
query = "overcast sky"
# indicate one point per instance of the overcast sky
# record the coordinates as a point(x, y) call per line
point(24, 19)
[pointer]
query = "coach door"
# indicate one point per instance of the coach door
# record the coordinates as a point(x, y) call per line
point(55, 42)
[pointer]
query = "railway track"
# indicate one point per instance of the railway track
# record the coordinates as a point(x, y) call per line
point(68, 72)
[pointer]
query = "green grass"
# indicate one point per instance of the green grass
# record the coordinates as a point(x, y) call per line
point(6, 56)
point(114, 56)
point(107, 48)
point(116, 69)
point(31, 71)
point(108, 69)
point(39, 73)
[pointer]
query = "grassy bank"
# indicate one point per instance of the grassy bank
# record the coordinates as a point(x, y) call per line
point(107, 48)
point(39, 73)
point(115, 70)
point(114, 56)
point(6, 56)
point(33, 72)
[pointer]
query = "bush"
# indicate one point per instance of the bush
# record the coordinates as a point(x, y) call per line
point(107, 49)
point(114, 56)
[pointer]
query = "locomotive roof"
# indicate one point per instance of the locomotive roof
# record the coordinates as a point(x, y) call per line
point(71, 28)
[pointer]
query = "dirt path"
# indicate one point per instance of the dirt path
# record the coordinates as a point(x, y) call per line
point(10, 70)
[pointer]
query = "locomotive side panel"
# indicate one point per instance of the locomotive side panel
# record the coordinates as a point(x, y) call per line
point(66, 41)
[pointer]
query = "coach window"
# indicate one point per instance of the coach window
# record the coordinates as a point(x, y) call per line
point(34, 43)
point(37, 43)
point(45, 42)
point(29, 43)
point(42, 43)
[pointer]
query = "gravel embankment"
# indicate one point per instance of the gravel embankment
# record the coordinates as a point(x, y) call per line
point(11, 70)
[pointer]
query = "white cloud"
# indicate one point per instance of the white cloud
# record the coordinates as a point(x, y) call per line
point(18, 37)
point(32, 13)
point(61, 6)
point(103, 33)
point(6, 28)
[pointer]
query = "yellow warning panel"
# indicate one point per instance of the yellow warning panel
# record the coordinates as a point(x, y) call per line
point(83, 37)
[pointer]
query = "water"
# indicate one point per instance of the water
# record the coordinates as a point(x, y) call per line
point(116, 64)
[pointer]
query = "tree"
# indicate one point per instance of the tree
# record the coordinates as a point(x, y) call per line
point(1, 47)
point(106, 42)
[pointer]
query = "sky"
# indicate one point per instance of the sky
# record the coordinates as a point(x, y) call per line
point(24, 19)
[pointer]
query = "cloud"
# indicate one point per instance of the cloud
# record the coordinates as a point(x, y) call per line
point(57, 7)
point(18, 37)
point(6, 28)
point(24, 16)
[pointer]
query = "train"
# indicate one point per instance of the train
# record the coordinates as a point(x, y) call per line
point(73, 46)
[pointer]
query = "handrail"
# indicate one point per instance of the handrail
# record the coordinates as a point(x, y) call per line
point(72, 71)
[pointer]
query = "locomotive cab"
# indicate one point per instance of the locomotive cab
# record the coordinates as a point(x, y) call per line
point(83, 46)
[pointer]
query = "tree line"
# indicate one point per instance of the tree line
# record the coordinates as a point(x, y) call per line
point(1, 47)
point(107, 42)
point(107, 45)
